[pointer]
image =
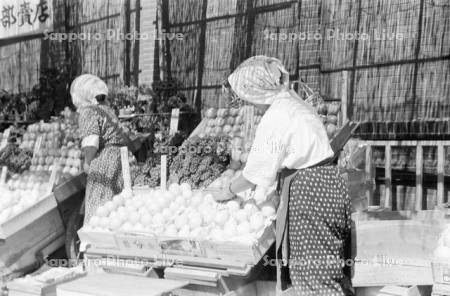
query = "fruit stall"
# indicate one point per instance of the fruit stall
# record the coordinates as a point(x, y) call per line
point(167, 225)
point(375, 72)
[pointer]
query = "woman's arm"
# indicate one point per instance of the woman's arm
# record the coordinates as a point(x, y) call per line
point(89, 153)
point(236, 186)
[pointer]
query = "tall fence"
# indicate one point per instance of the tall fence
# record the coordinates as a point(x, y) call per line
point(113, 58)
point(397, 52)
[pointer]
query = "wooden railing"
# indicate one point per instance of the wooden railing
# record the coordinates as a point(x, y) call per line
point(370, 170)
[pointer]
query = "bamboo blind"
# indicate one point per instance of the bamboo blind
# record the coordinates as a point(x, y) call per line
point(391, 79)
point(24, 59)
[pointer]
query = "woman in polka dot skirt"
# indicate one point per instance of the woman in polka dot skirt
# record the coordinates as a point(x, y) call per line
point(313, 220)
point(102, 138)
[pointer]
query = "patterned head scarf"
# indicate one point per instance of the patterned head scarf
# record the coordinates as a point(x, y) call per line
point(85, 88)
point(259, 79)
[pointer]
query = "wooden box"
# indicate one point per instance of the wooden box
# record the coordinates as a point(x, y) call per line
point(32, 287)
point(395, 248)
point(186, 250)
point(33, 242)
point(27, 217)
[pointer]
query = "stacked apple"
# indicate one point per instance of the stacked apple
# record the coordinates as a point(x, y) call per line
point(181, 212)
point(71, 135)
point(20, 193)
point(222, 121)
point(70, 160)
point(229, 122)
point(329, 116)
point(50, 132)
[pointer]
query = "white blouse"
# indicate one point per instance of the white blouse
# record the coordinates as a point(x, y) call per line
point(290, 135)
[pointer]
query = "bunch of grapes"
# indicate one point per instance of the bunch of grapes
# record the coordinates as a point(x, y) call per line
point(201, 161)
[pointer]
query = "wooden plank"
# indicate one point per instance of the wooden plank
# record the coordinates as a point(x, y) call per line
point(367, 275)
point(125, 168)
point(108, 284)
point(370, 176)
point(190, 274)
point(3, 175)
point(425, 215)
point(163, 177)
point(388, 177)
point(407, 143)
point(344, 97)
point(419, 177)
point(440, 172)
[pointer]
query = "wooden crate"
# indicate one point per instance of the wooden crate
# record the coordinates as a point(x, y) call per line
point(386, 199)
point(395, 247)
point(31, 287)
point(238, 257)
point(25, 248)
point(27, 217)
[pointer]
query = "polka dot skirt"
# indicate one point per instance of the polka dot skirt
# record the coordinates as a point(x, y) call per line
point(319, 224)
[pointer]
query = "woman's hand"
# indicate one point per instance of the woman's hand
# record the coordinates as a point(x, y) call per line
point(238, 185)
point(86, 168)
point(224, 195)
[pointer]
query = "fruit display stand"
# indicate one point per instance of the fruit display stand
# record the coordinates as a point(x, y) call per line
point(204, 263)
point(210, 264)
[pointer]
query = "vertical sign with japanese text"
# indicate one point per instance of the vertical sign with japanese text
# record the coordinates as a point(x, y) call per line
point(23, 17)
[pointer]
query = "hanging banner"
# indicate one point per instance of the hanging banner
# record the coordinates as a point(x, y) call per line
point(25, 17)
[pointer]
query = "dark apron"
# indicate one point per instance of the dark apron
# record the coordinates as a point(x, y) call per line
point(285, 178)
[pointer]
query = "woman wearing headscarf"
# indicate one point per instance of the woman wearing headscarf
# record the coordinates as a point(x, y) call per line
point(102, 138)
point(313, 218)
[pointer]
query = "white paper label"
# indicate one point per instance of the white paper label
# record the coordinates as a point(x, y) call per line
point(125, 168)
point(5, 138)
point(3, 175)
point(37, 145)
point(163, 172)
point(53, 176)
point(174, 119)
